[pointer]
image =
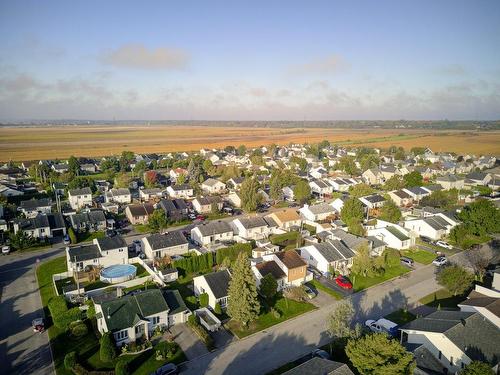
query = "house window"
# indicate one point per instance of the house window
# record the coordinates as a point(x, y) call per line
point(155, 319)
point(121, 335)
point(439, 354)
point(451, 361)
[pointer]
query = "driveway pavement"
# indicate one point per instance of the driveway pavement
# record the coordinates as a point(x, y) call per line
point(21, 350)
point(190, 344)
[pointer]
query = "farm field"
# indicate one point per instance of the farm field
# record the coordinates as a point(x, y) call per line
point(49, 142)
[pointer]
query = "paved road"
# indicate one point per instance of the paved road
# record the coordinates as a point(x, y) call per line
point(269, 349)
point(21, 350)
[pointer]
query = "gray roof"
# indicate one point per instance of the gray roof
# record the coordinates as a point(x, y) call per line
point(83, 252)
point(35, 203)
point(82, 191)
point(208, 200)
point(448, 178)
point(270, 222)
point(374, 198)
point(91, 217)
point(218, 282)
point(349, 239)
point(397, 233)
point(174, 301)
point(427, 363)
point(321, 184)
point(181, 187)
point(469, 331)
point(253, 222)
point(333, 250)
point(321, 208)
point(320, 366)
point(211, 182)
point(417, 190)
point(375, 242)
point(111, 243)
point(162, 241)
point(437, 222)
point(214, 227)
point(401, 194)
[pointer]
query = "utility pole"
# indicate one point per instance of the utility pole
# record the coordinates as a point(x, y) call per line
point(76, 276)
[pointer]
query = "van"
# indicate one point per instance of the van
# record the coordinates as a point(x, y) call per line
point(406, 261)
point(382, 325)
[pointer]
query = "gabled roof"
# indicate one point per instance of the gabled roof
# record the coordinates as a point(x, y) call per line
point(320, 366)
point(181, 187)
point(321, 208)
point(321, 184)
point(82, 191)
point(401, 194)
point(163, 241)
point(374, 198)
point(270, 267)
point(174, 301)
point(214, 227)
point(212, 182)
point(334, 250)
point(252, 222)
point(125, 312)
point(35, 203)
point(218, 282)
point(291, 259)
point(286, 215)
point(111, 243)
point(437, 222)
point(83, 252)
point(143, 209)
point(397, 233)
point(352, 241)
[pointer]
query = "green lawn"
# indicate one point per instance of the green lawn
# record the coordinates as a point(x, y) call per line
point(419, 256)
point(317, 285)
point(287, 308)
point(141, 271)
point(181, 284)
point(362, 282)
point(400, 317)
point(141, 228)
point(89, 236)
point(442, 298)
point(282, 204)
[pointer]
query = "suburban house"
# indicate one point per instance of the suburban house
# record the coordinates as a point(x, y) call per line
point(33, 207)
point(79, 198)
point(216, 285)
point(452, 339)
point(213, 186)
point(294, 267)
point(320, 188)
point(342, 184)
point(234, 199)
point(288, 193)
point(392, 235)
point(286, 219)
point(92, 221)
point(317, 365)
point(388, 171)
point(373, 177)
point(317, 212)
point(235, 182)
point(435, 226)
point(212, 232)
point(250, 228)
point(373, 201)
point(9, 190)
point(136, 316)
point(42, 226)
point(262, 269)
point(159, 245)
point(121, 196)
point(318, 172)
point(182, 191)
point(103, 252)
point(449, 182)
point(139, 213)
point(150, 194)
point(417, 193)
point(477, 179)
point(352, 241)
point(175, 173)
point(205, 205)
point(401, 198)
point(175, 209)
point(331, 256)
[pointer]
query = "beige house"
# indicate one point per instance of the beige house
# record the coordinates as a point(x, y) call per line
point(286, 219)
point(139, 213)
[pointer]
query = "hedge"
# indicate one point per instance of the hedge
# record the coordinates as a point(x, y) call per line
point(196, 263)
point(107, 351)
point(201, 332)
point(232, 252)
point(203, 300)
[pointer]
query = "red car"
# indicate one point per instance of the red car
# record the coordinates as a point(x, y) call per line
point(200, 217)
point(343, 282)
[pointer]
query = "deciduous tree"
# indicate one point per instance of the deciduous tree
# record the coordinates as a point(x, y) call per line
point(352, 213)
point(302, 191)
point(390, 212)
point(268, 287)
point(456, 279)
point(250, 199)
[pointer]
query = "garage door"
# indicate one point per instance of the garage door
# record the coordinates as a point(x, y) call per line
point(58, 233)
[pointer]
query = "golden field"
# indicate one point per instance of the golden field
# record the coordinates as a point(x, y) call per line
point(29, 143)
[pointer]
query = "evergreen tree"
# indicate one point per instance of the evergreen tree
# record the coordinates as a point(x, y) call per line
point(244, 305)
point(249, 197)
point(302, 191)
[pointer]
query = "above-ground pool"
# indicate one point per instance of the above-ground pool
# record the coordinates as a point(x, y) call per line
point(118, 273)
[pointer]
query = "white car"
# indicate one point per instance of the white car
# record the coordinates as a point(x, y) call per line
point(382, 325)
point(444, 244)
point(440, 261)
point(5, 249)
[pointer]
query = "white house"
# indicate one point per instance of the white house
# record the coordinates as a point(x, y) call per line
point(288, 193)
point(103, 252)
point(250, 228)
point(212, 232)
point(31, 208)
point(160, 245)
point(262, 269)
point(182, 191)
point(79, 198)
point(435, 226)
point(450, 182)
point(216, 285)
point(175, 173)
point(234, 199)
point(204, 205)
point(120, 195)
point(392, 235)
point(373, 201)
point(213, 186)
point(317, 212)
point(41, 226)
point(149, 194)
point(328, 256)
point(320, 188)
point(373, 177)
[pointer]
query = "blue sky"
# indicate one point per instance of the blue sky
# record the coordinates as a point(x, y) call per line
point(259, 60)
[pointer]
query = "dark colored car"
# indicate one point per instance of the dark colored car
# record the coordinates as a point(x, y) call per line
point(426, 239)
point(168, 369)
point(320, 354)
point(406, 261)
point(343, 282)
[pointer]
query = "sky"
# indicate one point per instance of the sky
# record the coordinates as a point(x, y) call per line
point(250, 60)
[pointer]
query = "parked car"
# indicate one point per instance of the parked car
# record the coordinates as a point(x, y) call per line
point(440, 261)
point(38, 325)
point(444, 244)
point(5, 249)
point(110, 233)
point(137, 245)
point(382, 325)
point(343, 282)
point(168, 369)
point(320, 353)
point(200, 217)
point(310, 292)
point(406, 261)
point(66, 240)
point(426, 239)
point(192, 216)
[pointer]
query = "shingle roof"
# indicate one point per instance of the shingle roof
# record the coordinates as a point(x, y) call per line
point(334, 250)
point(211, 182)
point(181, 187)
point(321, 208)
point(83, 252)
point(35, 203)
point(82, 191)
point(162, 241)
point(374, 198)
point(401, 194)
point(214, 227)
point(253, 222)
point(349, 239)
point(270, 267)
point(437, 222)
point(218, 282)
point(397, 233)
point(174, 301)
point(111, 243)
point(143, 209)
point(125, 311)
point(320, 366)
point(291, 259)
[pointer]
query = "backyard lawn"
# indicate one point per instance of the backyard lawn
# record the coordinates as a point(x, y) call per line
point(400, 317)
point(442, 298)
point(419, 256)
point(318, 286)
point(89, 236)
point(287, 309)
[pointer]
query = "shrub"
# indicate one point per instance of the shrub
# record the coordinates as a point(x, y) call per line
point(218, 309)
point(78, 330)
point(91, 309)
point(72, 315)
point(275, 313)
point(72, 236)
point(204, 300)
point(121, 368)
point(70, 360)
point(107, 352)
point(201, 332)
